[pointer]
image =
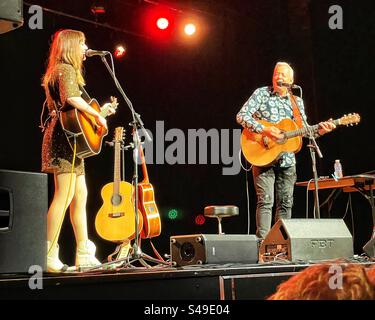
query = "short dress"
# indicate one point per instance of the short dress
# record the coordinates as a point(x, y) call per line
point(57, 155)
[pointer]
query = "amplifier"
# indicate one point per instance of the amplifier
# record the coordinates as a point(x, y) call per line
point(23, 208)
point(213, 249)
point(307, 240)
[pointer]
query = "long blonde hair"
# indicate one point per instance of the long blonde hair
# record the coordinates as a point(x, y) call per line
point(65, 48)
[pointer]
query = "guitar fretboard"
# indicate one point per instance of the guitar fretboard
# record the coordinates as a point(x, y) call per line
point(104, 112)
point(305, 130)
point(117, 171)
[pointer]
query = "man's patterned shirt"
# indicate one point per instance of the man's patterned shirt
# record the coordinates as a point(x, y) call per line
point(264, 104)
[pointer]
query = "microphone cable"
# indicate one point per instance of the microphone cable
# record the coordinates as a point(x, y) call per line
point(247, 189)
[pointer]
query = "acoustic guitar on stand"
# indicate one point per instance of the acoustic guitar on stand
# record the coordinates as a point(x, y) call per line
point(115, 220)
point(89, 134)
point(261, 151)
point(147, 205)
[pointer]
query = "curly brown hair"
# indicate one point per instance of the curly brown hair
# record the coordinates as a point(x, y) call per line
point(318, 282)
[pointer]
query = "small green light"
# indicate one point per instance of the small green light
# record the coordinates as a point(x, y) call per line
point(172, 214)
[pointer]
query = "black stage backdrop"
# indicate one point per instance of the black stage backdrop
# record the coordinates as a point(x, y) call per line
point(202, 84)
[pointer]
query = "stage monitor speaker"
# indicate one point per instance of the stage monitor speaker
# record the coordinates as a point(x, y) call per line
point(369, 248)
point(307, 240)
point(11, 15)
point(23, 208)
point(213, 249)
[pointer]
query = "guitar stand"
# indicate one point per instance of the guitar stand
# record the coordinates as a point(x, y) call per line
point(127, 262)
point(136, 251)
point(143, 258)
point(137, 254)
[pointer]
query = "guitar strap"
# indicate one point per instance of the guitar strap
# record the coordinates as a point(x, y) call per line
point(85, 95)
point(296, 113)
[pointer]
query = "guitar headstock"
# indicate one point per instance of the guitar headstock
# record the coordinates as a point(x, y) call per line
point(350, 119)
point(119, 134)
point(114, 103)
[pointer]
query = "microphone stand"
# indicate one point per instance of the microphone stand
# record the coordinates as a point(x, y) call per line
point(137, 254)
point(314, 148)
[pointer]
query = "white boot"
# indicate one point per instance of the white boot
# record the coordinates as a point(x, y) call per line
point(85, 256)
point(53, 262)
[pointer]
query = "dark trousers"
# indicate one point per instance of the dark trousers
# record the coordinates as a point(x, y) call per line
point(270, 182)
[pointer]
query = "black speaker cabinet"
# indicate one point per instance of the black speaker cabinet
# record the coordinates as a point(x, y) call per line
point(11, 15)
point(307, 240)
point(23, 208)
point(369, 248)
point(213, 249)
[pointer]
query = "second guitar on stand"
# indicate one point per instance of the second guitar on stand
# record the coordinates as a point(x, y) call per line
point(146, 204)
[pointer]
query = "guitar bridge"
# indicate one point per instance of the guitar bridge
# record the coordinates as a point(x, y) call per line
point(116, 214)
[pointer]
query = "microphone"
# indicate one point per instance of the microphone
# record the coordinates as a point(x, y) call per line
point(90, 53)
point(287, 85)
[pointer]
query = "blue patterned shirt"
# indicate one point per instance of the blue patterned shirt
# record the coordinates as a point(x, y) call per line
point(264, 104)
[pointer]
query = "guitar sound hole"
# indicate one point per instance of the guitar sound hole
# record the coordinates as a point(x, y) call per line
point(116, 199)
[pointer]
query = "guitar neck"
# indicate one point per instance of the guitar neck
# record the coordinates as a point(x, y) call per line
point(302, 131)
point(117, 171)
point(144, 168)
point(104, 111)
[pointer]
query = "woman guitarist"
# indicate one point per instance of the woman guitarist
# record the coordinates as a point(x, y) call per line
point(61, 82)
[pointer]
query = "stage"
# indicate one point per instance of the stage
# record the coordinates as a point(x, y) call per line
point(203, 282)
point(186, 89)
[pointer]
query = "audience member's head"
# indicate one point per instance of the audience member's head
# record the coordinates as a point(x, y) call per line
point(371, 275)
point(329, 282)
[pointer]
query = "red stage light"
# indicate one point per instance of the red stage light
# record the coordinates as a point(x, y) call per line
point(159, 22)
point(120, 51)
point(98, 7)
point(162, 23)
point(97, 10)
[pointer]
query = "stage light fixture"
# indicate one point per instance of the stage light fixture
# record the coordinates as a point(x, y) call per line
point(98, 7)
point(162, 23)
point(190, 29)
point(120, 51)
